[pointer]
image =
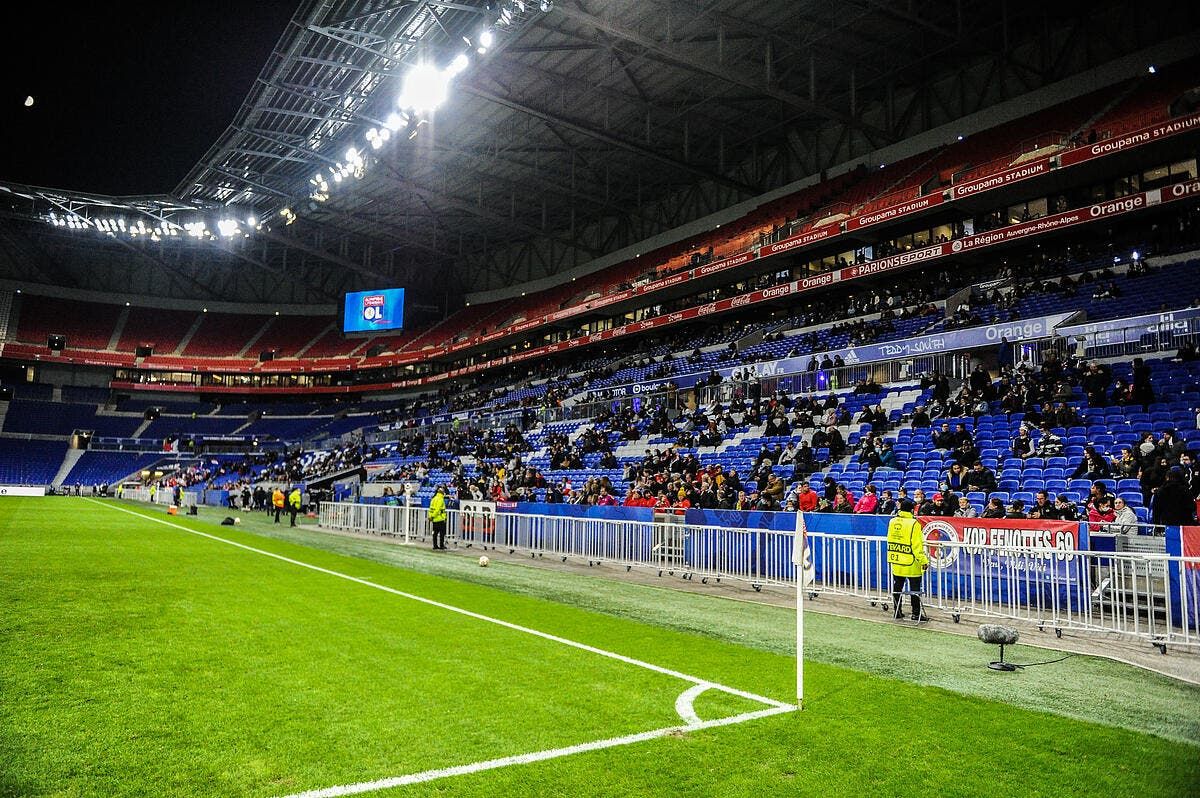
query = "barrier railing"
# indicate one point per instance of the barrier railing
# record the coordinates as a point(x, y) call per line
point(187, 498)
point(1151, 597)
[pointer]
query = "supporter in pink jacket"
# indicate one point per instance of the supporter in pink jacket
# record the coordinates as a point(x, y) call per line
point(867, 502)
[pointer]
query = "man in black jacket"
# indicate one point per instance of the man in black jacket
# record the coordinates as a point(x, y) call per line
point(1172, 504)
point(980, 478)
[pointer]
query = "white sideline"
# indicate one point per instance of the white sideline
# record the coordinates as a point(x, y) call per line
point(683, 704)
point(536, 756)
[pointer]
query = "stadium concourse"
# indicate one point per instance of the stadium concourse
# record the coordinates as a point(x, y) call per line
point(749, 301)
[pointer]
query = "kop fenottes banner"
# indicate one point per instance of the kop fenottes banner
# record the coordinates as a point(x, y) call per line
point(1044, 547)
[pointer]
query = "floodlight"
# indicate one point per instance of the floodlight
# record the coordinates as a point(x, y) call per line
point(396, 121)
point(460, 63)
point(487, 39)
point(425, 88)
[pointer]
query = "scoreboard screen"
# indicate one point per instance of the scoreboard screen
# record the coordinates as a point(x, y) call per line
point(374, 311)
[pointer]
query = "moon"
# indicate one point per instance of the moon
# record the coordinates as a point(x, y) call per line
point(29, 101)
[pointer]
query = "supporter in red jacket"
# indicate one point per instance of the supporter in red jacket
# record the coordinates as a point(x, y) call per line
point(806, 499)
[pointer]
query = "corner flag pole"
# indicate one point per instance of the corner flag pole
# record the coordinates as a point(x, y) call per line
point(804, 577)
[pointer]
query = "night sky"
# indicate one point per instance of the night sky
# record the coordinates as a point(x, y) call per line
point(127, 96)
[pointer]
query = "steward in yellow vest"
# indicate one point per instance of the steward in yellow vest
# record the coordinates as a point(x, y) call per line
point(907, 558)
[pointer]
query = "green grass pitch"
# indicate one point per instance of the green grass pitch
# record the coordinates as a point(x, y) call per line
point(138, 659)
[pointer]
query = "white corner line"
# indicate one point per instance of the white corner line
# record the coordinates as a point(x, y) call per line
point(538, 756)
point(685, 703)
point(770, 702)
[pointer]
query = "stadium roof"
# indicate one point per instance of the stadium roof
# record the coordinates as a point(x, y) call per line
point(585, 127)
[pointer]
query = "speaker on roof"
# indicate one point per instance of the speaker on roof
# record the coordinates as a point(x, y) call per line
point(144, 351)
point(56, 343)
point(263, 357)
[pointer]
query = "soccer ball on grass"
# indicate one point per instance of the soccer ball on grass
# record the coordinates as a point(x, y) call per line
point(484, 561)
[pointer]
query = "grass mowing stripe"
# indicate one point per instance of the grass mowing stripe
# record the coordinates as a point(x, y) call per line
point(469, 613)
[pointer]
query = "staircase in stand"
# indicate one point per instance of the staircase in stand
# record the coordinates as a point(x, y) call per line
point(68, 463)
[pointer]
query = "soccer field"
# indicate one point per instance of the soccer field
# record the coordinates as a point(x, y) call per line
point(147, 655)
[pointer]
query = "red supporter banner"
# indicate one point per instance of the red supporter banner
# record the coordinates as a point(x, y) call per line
point(1016, 174)
point(893, 211)
point(1136, 138)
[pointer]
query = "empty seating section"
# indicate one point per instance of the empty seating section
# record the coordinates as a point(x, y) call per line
point(139, 405)
point(87, 325)
point(157, 327)
point(47, 418)
point(285, 335)
point(85, 394)
point(115, 426)
point(172, 426)
point(24, 462)
point(466, 323)
point(96, 468)
point(997, 149)
point(331, 344)
point(244, 409)
point(1149, 105)
point(34, 390)
point(223, 334)
point(1168, 288)
point(284, 428)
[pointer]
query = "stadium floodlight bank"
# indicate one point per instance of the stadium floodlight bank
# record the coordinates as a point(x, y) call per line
point(1144, 596)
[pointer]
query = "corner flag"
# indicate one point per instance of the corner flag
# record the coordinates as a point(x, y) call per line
point(805, 576)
